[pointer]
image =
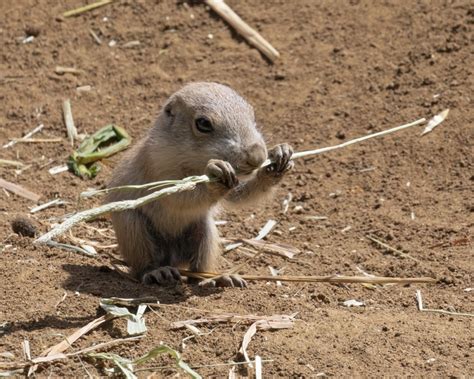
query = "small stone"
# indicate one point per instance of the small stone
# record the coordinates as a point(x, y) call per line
point(280, 76)
point(23, 227)
point(32, 31)
point(340, 134)
point(298, 209)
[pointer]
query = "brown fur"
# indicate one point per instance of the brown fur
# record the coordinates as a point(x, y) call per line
point(179, 230)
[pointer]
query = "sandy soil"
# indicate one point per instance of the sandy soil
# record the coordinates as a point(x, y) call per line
point(346, 69)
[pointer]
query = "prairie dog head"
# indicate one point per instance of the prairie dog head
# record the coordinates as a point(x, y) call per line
point(205, 121)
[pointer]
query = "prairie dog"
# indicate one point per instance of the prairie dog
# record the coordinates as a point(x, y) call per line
point(204, 128)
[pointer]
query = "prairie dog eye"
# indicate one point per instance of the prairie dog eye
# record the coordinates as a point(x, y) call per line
point(204, 125)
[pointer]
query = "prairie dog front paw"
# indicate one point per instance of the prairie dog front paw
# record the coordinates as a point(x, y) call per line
point(280, 157)
point(222, 174)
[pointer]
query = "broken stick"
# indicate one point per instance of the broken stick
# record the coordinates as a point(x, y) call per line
point(19, 190)
point(250, 34)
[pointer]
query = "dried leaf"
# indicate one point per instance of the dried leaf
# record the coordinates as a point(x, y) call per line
point(275, 272)
point(267, 228)
point(274, 248)
point(280, 322)
point(246, 340)
point(135, 322)
point(435, 121)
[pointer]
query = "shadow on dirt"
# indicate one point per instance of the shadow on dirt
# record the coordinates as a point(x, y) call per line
point(49, 321)
point(102, 282)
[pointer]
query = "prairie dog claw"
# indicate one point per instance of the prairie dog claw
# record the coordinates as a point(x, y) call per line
point(280, 156)
point(162, 276)
point(223, 171)
point(231, 280)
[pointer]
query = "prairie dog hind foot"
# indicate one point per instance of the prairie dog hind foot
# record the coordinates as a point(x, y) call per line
point(225, 280)
point(166, 275)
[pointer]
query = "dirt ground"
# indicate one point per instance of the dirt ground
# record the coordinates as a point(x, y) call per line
point(347, 68)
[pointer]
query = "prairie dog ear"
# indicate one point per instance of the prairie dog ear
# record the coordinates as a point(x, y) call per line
point(173, 106)
point(169, 107)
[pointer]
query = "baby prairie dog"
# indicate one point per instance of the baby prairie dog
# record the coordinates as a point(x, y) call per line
point(204, 128)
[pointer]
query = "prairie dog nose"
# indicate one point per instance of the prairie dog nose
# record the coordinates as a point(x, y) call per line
point(256, 154)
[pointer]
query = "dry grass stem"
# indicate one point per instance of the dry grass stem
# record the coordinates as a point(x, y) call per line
point(49, 204)
point(353, 141)
point(391, 249)
point(96, 37)
point(116, 206)
point(419, 301)
point(267, 322)
point(318, 279)
point(27, 135)
point(6, 162)
point(186, 184)
point(250, 34)
point(36, 140)
point(86, 8)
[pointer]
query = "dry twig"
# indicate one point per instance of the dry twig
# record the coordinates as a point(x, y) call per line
point(250, 34)
point(19, 190)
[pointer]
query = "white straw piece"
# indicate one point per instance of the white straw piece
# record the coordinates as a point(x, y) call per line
point(27, 135)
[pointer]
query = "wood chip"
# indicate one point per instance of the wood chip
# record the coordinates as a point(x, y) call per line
point(58, 169)
point(60, 70)
point(19, 190)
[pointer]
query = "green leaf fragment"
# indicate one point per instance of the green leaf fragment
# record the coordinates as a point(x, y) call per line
point(96, 147)
point(126, 365)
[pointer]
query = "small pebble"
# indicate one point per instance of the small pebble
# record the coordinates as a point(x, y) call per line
point(23, 227)
point(340, 134)
point(32, 31)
